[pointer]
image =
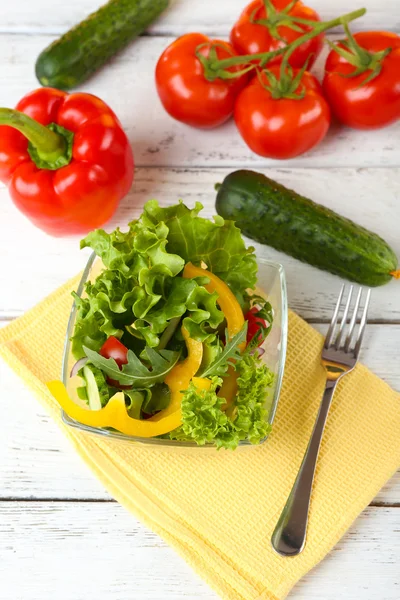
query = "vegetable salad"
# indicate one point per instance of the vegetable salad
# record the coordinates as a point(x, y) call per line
point(167, 337)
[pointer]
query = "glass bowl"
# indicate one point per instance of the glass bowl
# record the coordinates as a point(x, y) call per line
point(271, 284)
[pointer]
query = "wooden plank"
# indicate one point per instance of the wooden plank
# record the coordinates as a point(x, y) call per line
point(37, 462)
point(92, 550)
point(369, 196)
point(208, 16)
point(127, 84)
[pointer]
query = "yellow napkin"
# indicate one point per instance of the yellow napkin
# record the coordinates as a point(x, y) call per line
point(218, 509)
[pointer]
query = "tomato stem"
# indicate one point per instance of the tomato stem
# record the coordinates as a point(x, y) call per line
point(359, 57)
point(317, 30)
point(281, 18)
point(49, 147)
point(215, 68)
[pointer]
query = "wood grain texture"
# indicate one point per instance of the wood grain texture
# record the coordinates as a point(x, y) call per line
point(369, 196)
point(45, 16)
point(86, 550)
point(158, 140)
point(37, 462)
point(60, 532)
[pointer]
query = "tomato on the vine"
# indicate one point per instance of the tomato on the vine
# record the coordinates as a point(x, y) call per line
point(282, 126)
point(266, 26)
point(255, 324)
point(185, 92)
point(370, 99)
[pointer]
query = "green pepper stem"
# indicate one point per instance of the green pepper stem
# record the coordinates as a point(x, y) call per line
point(320, 27)
point(48, 144)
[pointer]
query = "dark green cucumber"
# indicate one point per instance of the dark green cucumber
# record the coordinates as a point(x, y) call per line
point(269, 213)
point(71, 59)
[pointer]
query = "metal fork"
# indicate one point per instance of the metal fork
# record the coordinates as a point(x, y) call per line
point(289, 537)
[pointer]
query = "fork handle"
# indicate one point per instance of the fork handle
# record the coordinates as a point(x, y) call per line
point(289, 536)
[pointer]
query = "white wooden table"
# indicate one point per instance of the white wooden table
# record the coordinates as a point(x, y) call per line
point(61, 535)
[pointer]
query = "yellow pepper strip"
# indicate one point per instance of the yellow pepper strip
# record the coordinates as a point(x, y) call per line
point(226, 299)
point(201, 383)
point(115, 415)
point(234, 319)
point(179, 378)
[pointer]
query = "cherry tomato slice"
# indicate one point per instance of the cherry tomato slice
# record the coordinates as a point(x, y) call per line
point(113, 348)
point(254, 324)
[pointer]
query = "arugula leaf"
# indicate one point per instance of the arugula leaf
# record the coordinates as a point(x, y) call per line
point(229, 355)
point(135, 373)
point(219, 244)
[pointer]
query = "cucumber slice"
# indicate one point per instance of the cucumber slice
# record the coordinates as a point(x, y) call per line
point(96, 387)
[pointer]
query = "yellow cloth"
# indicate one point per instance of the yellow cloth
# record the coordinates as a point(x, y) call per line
point(218, 509)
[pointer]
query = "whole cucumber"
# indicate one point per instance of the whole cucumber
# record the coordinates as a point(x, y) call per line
point(269, 213)
point(71, 59)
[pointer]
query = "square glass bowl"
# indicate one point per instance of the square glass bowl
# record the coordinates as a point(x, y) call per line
point(271, 285)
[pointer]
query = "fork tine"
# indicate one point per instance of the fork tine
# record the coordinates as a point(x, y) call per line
point(344, 319)
point(331, 329)
point(363, 323)
point(353, 321)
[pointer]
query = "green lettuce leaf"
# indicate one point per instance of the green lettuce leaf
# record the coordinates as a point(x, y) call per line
point(158, 399)
point(134, 400)
point(140, 292)
point(219, 244)
point(204, 421)
point(249, 413)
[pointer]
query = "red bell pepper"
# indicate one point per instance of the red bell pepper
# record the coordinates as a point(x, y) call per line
point(65, 159)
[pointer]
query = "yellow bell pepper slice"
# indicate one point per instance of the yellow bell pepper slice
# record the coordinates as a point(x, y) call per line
point(179, 378)
point(234, 320)
point(115, 415)
point(226, 298)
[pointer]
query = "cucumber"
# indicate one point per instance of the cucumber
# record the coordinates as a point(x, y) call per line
point(269, 213)
point(71, 59)
point(96, 387)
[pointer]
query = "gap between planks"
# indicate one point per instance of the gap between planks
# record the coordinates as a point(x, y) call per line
point(63, 500)
point(7, 317)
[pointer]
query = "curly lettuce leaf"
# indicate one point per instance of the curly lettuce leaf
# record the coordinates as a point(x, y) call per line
point(204, 421)
point(140, 292)
point(217, 243)
point(249, 413)
point(183, 296)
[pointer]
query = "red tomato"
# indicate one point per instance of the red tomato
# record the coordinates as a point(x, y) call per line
point(113, 348)
point(377, 102)
point(253, 324)
point(285, 127)
point(251, 38)
point(185, 92)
